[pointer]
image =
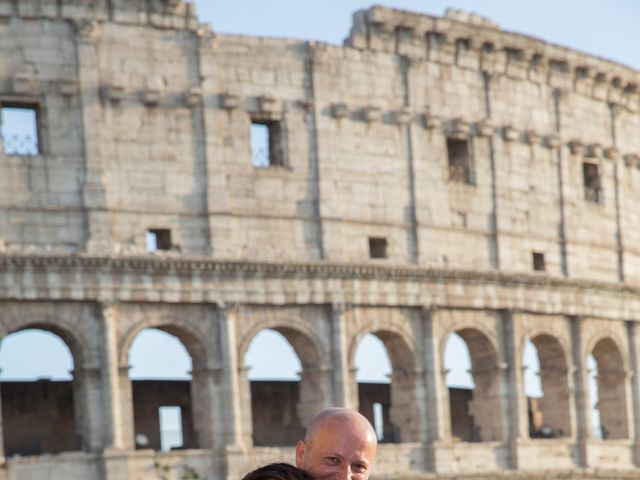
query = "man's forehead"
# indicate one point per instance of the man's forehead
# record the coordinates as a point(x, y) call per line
point(343, 443)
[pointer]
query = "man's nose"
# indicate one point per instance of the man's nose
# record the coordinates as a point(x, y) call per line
point(344, 473)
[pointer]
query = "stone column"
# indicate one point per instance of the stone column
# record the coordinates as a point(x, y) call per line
point(404, 412)
point(581, 398)
point(488, 406)
point(634, 366)
point(345, 388)
point(233, 405)
point(234, 400)
point(514, 401)
point(89, 417)
point(207, 416)
point(117, 410)
point(438, 419)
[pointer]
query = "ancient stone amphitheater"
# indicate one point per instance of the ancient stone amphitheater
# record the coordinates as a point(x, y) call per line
point(432, 176)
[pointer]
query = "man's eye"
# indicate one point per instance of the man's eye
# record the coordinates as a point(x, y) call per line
point(333, 460)
point(359, 468)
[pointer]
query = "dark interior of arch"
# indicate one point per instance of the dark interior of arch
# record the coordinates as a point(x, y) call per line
point(475, 417)
point(395, 402)
point(549, 416)
point(611, 381)
point(482, 353)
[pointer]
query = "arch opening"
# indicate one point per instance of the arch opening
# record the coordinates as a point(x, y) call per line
point(608, 379)
point(373, 375)
point(162, 391)
point(283, 385)
point(472, 379)
point(39, 394)
point(546, 387)
point(386, 381)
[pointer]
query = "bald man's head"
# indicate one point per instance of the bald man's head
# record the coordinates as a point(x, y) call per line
point(340, 444)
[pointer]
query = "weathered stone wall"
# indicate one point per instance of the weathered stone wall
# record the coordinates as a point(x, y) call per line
point(365, 224)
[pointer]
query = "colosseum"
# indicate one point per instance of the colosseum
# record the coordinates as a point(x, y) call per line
point(432, 176)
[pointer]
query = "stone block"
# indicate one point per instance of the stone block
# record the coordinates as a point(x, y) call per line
point(229, 101)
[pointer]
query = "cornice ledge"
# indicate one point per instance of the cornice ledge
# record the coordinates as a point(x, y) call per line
point(162, 265)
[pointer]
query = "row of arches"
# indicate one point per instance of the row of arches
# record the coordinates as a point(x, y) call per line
point(40, 416)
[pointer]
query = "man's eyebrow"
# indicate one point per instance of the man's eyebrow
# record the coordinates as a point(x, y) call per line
point(333, 454)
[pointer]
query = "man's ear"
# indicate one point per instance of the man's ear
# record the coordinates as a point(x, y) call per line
point(301, 450)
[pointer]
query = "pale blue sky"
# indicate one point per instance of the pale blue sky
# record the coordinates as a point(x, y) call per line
point(607, 28)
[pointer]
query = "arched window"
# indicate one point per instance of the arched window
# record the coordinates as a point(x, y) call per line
point(283, 383)
point(282, 364)
point(610, 381)
point(459, 381)
point(160, 369)
point(473, 392)
point(38, 414)
point(373, 375)
point(546, 387)
point(390, 403)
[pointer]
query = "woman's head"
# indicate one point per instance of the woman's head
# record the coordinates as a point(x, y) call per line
point(277, 471)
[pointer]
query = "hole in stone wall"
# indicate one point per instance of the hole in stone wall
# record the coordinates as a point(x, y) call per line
point(459, 160)
point(377, 247)
point(463, 44)
point(378, 421)
point(266, 143)
point(436, 39)
point(20, 129)
point(538, 261)
point(591, 181)
point(158, 239)
point(170, 418)
point(514, 54)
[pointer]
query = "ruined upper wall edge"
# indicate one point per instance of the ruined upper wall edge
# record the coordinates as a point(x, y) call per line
point(461, 34)
point(467, 39)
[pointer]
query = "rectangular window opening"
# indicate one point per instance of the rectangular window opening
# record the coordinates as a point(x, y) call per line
point(592, 184)
point(266, 144)
point(378, 421)
point(459, 161)
point(377, 247)
point(158, 239)
point(538, 262)
point(170, 428)
point(20, 132)
point(435, 39)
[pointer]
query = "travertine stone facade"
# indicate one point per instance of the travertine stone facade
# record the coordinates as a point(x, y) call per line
point(496, 176)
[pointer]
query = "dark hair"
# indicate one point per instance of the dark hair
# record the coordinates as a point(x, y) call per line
point(277, 471)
